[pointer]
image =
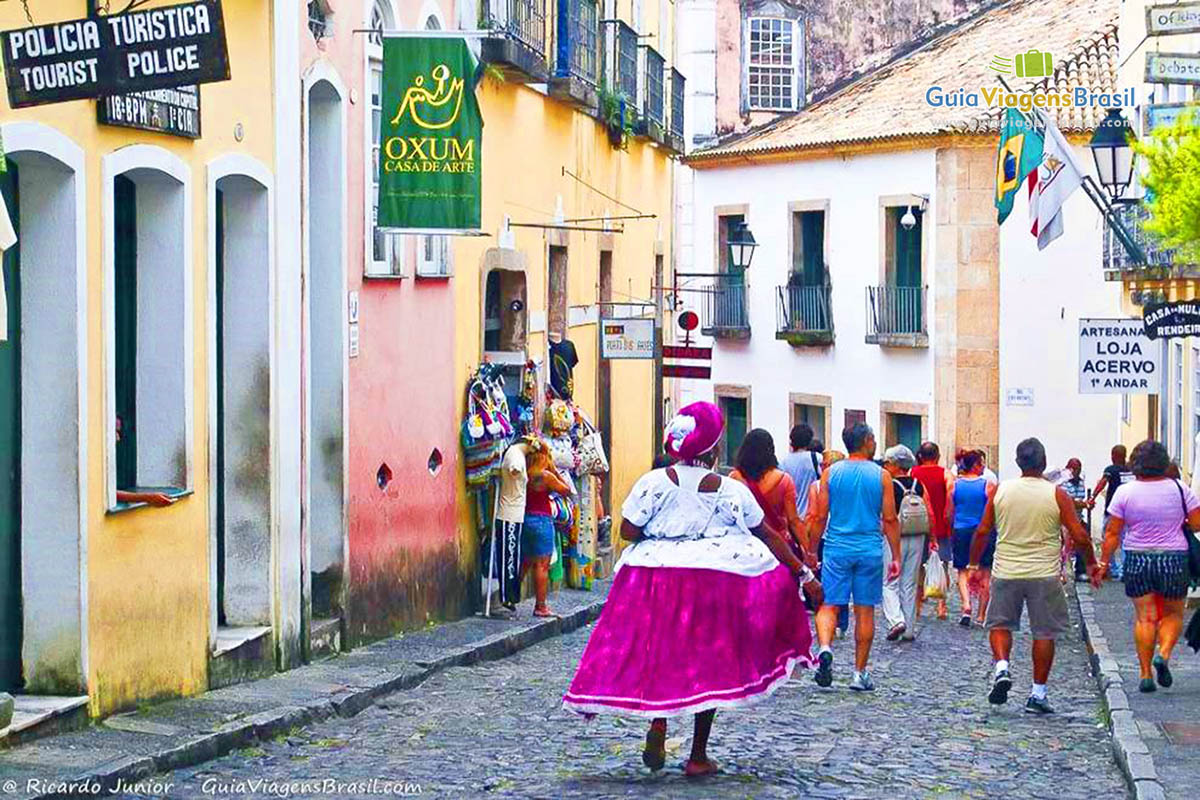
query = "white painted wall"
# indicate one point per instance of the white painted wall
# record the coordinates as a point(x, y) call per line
point(1042, 297)
point(285, 343)
point(855, 374)
point(247, 384)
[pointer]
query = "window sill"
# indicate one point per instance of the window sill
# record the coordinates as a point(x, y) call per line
point(382, 276)
point(170, 491)
point(422, 277)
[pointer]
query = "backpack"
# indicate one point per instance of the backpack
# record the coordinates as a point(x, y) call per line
point(914, 516)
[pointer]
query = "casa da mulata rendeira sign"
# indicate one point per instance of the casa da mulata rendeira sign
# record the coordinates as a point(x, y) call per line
point(158, 48)
point(430, 136)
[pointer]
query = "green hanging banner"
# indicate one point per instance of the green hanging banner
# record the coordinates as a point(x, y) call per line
point(430, 136)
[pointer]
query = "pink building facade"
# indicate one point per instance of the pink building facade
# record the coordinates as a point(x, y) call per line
point(380, 451)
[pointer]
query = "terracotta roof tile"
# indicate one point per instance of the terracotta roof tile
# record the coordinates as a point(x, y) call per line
point(889, 103)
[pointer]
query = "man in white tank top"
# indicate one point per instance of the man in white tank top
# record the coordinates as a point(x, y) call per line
point(1028, 513)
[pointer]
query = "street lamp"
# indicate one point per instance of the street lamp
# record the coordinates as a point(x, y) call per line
point(741, 246)
point(1111, 149)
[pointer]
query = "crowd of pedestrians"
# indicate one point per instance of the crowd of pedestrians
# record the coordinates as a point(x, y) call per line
point(722, 572)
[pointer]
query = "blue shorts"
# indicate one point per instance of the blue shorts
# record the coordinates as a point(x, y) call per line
point(538, 537)
point(849, 574)
point(963, 537)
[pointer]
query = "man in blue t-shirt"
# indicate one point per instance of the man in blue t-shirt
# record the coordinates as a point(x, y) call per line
point(855, 509)
point(802, 465)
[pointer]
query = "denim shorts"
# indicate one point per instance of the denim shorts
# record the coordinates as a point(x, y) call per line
point(849, 574)
point(538, 536)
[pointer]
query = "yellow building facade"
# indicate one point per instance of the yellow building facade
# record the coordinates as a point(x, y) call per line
point(114, 286)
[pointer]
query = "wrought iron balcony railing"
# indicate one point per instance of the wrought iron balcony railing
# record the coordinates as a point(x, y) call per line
point(803, 314)
point(620, 45)
point(522, 21)
point(677, 103)
point(896, 315)
point(724, 311)
point(577, 41)
point(651, 101)
point(1161, 262)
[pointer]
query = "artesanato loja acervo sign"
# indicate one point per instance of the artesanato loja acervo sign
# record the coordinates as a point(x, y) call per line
point(1116, 357)
point(430, 137)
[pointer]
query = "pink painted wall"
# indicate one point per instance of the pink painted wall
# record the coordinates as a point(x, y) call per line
point(403, 551)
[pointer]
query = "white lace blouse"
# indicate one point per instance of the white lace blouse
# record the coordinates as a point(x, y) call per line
point(684, 527)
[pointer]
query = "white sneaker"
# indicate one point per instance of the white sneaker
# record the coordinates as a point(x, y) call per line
point(861, 682)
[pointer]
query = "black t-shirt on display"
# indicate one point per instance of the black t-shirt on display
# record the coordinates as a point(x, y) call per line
point(563, 359)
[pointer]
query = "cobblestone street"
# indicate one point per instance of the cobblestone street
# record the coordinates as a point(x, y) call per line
point(497, 730)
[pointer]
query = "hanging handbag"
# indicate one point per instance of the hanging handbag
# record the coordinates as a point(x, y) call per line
point(592, 460)
point(1193, 544)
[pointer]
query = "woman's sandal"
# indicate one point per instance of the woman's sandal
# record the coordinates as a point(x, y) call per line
point(654, 755)
point(702, 769)
point(545, 613)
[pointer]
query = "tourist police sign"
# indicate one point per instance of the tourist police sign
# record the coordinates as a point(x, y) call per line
point(158, 48)
point(1116, 357)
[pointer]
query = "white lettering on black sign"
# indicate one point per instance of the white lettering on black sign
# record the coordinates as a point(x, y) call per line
point(1116, 357)
point(175, 112)
point(133, 52)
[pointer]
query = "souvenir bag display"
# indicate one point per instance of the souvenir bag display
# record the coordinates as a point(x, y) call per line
point(590, 451)
point(483, 437)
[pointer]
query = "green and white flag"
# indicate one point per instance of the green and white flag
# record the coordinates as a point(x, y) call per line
point(430, 136)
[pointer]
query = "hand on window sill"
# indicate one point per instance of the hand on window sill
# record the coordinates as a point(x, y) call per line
point(141, 497)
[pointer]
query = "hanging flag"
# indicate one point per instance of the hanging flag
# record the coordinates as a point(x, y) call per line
point(1051, 184)
point(1019, 154)
point(430, 136)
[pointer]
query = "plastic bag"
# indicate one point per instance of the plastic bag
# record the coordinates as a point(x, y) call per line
point(935, 577)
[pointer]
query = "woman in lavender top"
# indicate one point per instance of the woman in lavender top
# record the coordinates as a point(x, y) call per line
point(1153, 509)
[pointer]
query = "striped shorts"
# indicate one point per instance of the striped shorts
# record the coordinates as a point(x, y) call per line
point(1161, 572)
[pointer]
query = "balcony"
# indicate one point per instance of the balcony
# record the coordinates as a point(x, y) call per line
point(620, 73)
point(896, 316)
point(675, 127)
point(519, 49)
point(652, 68)
point(723, 310)
point(1160, 261)
point(803, 315)
point(576, 53)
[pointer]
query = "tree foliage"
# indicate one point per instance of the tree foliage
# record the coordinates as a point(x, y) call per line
point(1172, 179)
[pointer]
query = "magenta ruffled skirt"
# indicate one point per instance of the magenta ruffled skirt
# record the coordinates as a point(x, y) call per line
point(675, 641)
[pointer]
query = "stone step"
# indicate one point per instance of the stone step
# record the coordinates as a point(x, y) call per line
point(36, 715)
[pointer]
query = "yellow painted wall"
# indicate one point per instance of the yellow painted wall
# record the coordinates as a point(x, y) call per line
point(147, 571)
point(528, 140)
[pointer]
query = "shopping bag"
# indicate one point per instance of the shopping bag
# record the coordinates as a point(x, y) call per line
point(935, 577)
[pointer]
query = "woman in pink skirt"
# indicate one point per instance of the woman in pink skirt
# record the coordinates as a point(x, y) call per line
point(704, 612)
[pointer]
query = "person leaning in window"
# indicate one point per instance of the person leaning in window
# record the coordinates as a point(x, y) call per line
point(1152, 510)
point(158, 499)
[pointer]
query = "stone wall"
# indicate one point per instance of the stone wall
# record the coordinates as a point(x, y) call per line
point(966, 303)
point(843, 39)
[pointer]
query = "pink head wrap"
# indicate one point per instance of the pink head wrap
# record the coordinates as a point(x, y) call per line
point(694, 431)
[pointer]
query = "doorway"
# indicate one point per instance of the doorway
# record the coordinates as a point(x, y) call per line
point(10, 454)
point(326, 363)
point(241, 438)
point(604, 379)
